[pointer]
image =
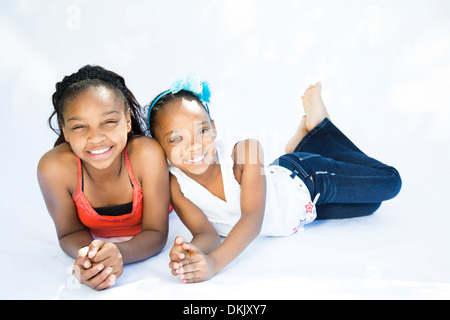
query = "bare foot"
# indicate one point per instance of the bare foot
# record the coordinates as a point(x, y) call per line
point(314, 107)
point(297, 137)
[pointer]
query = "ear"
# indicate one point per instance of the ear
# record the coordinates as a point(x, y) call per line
point(214, 128)
point(128, 119)
point(64, 132)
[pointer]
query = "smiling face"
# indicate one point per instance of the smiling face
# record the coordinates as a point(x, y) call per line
point(96, 126)
point(187, 134)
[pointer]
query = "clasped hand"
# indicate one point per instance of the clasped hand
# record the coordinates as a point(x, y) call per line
point(98, 265)
point(189, 263)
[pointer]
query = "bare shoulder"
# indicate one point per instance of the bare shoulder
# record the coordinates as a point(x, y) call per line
point(58, 166)
point(144, 147)
point(57, 157)
point(179, 201)
point(174, 183)
point(176, 193)
point(248, 151)
point(147, 158)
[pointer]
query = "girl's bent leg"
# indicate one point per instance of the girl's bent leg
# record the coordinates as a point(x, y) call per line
point(341, 182)
point(349, 182)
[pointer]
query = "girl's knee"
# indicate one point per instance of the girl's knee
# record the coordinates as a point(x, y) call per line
point(396, 183)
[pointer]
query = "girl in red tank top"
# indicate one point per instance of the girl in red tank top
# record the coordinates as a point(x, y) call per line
point(104, 226)
point(87, 193)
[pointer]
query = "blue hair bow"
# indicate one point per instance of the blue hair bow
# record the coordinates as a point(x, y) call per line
point(190, 83)
point(194, 85)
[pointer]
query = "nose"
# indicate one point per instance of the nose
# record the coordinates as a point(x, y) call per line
point(196, 143)
point(95, 135)
point(194, 148)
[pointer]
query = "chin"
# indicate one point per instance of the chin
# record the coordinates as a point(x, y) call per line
point(199, 170)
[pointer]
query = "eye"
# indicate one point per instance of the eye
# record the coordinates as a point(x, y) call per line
point(78, 127)
point(111, 122)
point(175, 139)
point(204, 130)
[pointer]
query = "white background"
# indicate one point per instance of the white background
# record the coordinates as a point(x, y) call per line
point(385, 70)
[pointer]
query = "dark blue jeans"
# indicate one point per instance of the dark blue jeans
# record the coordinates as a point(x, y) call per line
point(350, 183)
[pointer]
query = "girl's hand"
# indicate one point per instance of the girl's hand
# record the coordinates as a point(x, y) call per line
point(108, 254)
point(99, 265)
point(177, 254)
point(197, 267)
point(96, 277)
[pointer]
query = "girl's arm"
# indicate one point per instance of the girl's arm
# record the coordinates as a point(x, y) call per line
point(57, 178)
point(205, 237)
point(199, 266)
point(57, 184)
point(253, 200)
point(150, 166)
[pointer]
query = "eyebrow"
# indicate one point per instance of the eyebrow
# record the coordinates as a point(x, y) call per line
point(81, 119)
point(75, 119)
point(170, 133)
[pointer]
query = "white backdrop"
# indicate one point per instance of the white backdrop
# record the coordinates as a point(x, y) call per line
point(385, 71)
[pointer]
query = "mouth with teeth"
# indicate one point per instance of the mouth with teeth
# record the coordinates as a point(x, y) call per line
point(196, 161)
point(99, 153)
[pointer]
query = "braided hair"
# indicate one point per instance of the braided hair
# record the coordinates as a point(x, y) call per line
point(85, 78)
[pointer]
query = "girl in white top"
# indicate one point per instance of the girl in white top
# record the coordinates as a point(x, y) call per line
point(226, 190)
point(286, 203)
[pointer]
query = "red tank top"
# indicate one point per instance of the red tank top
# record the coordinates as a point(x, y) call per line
point(125, 225)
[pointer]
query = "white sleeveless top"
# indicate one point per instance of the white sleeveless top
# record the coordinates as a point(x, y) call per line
point(288, 202)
